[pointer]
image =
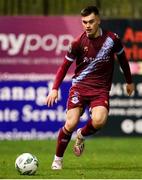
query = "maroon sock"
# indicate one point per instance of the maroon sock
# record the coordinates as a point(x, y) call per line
point(62, 142)
point(88, 129)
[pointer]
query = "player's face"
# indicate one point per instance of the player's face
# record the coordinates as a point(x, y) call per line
point(91, 25)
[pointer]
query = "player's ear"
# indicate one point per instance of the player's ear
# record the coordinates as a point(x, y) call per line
point(99, 20)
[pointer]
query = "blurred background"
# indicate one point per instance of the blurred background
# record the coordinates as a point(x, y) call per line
point(34, 38)
point(116, 9)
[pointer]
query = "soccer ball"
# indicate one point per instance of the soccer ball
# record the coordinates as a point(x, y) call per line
point(26, 164)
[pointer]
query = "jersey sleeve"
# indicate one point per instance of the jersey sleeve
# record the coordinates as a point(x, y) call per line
point(73, 51)
point(123, 61)
point(125, 67)
point(118, 47)
point(61, 73)
point(70, 57)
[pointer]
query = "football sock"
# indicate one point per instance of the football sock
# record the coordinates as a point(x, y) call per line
point(88, 129)
point(57, 158)
point(62, 142)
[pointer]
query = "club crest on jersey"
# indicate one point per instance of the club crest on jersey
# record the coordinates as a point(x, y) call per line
point(85, 49)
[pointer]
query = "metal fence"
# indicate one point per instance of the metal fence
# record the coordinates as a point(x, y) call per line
point(108, 8)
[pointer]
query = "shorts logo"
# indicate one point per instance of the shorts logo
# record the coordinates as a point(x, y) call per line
point(75, 100)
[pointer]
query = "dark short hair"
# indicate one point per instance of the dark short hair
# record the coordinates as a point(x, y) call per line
point(88, 10)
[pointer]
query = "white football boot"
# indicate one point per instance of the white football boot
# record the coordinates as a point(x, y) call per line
point(57, 163)
point(79, 144)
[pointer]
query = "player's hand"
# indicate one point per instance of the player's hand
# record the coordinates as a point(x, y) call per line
point(52, 97)
point(130, 88)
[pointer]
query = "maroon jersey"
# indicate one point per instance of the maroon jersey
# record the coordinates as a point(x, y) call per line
point(94, 59)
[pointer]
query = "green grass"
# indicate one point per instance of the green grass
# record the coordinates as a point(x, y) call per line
point(103, 158)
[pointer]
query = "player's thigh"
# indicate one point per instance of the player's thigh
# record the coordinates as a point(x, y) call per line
point(99, 115)
point(72, 118)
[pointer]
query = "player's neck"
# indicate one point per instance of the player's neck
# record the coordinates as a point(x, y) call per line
point(98, 33)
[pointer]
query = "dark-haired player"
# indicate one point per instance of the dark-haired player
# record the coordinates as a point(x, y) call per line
point(93, 51)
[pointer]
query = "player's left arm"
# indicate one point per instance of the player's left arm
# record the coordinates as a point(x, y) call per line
point(125, 67)
point(127, 73)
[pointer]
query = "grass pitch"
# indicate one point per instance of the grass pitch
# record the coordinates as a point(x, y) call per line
point(103, 158)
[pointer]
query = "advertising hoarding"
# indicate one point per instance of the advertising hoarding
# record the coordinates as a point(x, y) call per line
point(31, 50)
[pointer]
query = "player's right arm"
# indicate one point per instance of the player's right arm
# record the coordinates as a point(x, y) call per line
point(61, 73)
point(53, 95)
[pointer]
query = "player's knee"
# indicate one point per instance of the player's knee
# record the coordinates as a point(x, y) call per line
point(98, 122)
point(70, 126)
point(71, 121)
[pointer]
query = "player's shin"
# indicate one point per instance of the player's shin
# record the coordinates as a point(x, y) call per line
point(62, 142)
